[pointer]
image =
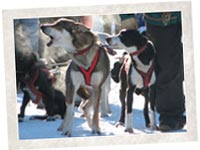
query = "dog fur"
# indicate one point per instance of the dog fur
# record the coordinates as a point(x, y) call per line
point(128, 74)
point(74, 38)
point(53, 99)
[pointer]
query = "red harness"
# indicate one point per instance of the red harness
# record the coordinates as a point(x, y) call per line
point(145, 75)
point(88, 73)
point(83, 51)
point(139, 51)
point(32, 87)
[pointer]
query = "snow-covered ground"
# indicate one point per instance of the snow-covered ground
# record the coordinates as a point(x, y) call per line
point(37, 129)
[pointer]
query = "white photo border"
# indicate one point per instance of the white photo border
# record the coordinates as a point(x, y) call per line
point(8, 31)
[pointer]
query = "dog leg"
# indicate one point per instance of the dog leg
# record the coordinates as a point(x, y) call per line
point(146, 107)
point(152, 108)
point(105, 109)
point(149, 108)
point(108, 110)
point(25, 101)
point(152, 120)
point(86, 106)
point(129, 117)
point(129, 125)
point(49, 102)
point(67, 124)
point(122, 96)
point(95, 120)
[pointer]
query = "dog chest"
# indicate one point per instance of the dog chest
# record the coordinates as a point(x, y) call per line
point(137, 79)
point(79, 79)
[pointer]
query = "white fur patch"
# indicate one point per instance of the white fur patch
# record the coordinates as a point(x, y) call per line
point(129, 121)
point(77, 79)
point(152, 119)
point(96, 78)
point(68, 120)
point(153, 79)
point(136, 78)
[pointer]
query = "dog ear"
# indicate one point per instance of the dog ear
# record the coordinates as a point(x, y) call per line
point(83, 39)
point(78, 27)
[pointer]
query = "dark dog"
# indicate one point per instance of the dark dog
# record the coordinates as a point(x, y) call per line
point(36, 82)
point(136, 74)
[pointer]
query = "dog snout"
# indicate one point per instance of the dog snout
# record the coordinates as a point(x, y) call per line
point(42, 27)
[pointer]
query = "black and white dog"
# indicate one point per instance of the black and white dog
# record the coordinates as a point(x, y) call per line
point(135, 71)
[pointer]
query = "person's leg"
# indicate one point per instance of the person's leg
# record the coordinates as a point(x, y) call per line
point(170, 101)
point(31, 31)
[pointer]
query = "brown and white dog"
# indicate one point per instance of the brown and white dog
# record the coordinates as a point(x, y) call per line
point(88, 70)
point(136, 74)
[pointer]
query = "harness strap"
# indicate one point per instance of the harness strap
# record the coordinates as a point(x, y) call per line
point(34, 90)
point(81, 52)
point(140, 50)
point(88, 73)
point(146, 75)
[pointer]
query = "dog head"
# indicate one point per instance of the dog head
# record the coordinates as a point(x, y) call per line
point(129, 40)
point(70, 35)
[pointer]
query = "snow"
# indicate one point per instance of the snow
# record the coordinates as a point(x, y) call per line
point(37, 129)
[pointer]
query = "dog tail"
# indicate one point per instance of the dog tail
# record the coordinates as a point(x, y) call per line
point(83, 93)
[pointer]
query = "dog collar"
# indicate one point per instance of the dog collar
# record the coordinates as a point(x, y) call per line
point(139, 51)
point(81, 52)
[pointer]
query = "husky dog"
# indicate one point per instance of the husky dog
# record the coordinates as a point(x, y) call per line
point(88, 70)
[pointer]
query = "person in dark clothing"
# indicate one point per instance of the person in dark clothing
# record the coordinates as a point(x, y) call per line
point(165, 31)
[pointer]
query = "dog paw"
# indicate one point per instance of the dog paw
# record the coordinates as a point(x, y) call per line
point(129, 130)
point(20, 119)
point(152, 127)
point(104, 115)
point(51, 118)
point(32, 118)
point(96, 132)
point(67, 133)
point(119, 124)
point(109, 111)
point(60, 128)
